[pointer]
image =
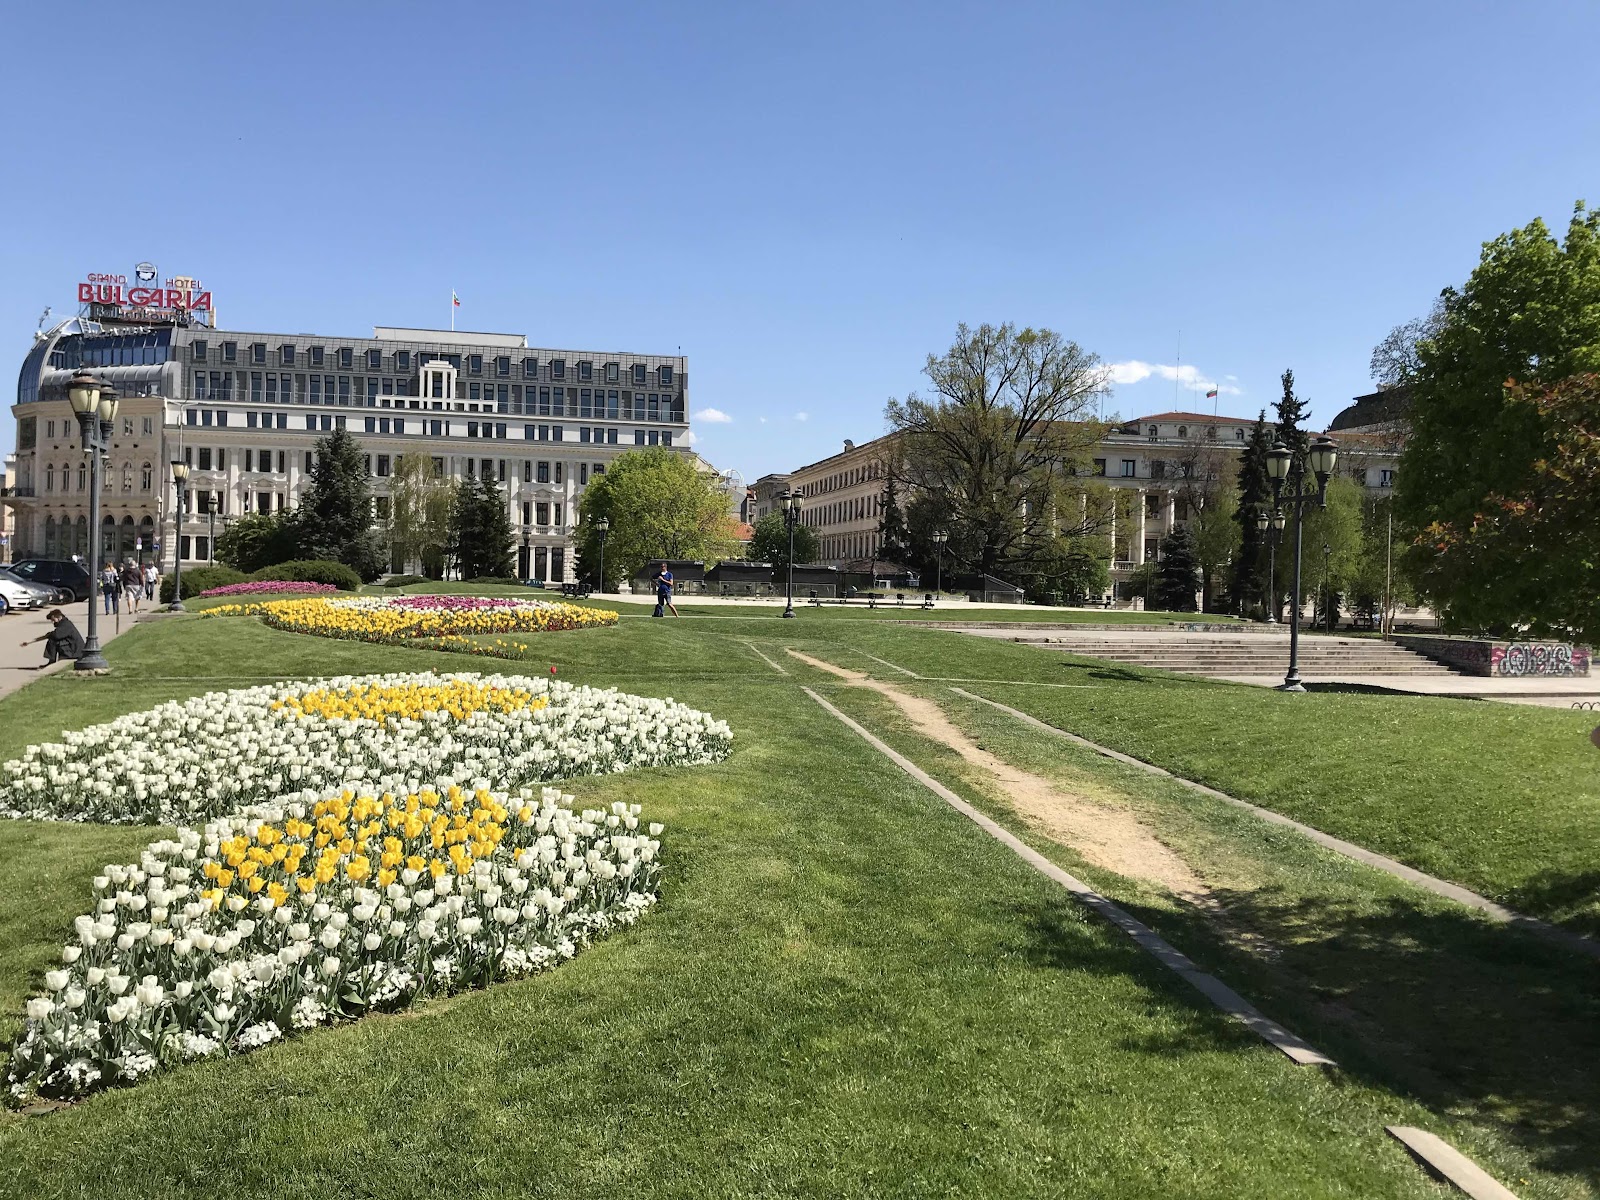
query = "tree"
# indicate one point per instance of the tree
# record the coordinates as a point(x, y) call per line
point(334, 519)
point(1529, 312)
point(660, 507)
point(770, 542)
point(1534, 552)
point(1253, 492)
point(1008, 422)
point(894, 536)
point(1209, 491)
point(1397, 358)
point(1142, 582)
point(480, 530)
point(254, 541)
point(1291, 410)
point(1177, 574)
point(1339, 528)
point(419, 524)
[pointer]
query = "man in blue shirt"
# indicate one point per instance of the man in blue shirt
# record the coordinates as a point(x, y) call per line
point(664, 583)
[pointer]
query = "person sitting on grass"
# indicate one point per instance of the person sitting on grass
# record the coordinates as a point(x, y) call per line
point(62, 641)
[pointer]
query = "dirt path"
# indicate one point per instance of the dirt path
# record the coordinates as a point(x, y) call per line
point(1108, 837)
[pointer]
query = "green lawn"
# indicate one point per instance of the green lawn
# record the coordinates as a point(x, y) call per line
point(848, 989)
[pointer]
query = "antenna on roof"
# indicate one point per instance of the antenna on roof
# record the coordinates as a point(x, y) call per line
point(43, 317)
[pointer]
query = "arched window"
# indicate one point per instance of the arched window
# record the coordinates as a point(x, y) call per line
point(108, 536)
point(1211, 432)
point(1238, 435)
point(80, 537)
point(50, 477)
point(51, 547)
point(1155, 432)
point(1183, 431)
point(146, 477)
point(147, 538)
point(83, 478)
point(127, 477)
point(125, 541)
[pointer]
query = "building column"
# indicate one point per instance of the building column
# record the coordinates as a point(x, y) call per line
point(1172, 511)
point(1138, 552)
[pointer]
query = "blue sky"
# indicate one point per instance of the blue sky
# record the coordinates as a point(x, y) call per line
point(806, 198)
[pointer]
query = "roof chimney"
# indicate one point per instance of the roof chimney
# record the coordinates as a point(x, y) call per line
point(849, 445)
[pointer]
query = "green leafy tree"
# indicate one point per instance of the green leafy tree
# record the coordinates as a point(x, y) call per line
point(419, 522)
point(480, 530)
point(1208, 490)
point(1009, 418)
point(1340, 527)
point(334, 518)
point(256, 540)
point(1142, 582)
point(770, 542)
point(1530, 312)
point(893, 533)
point(1536, 550)
point(661, 506)
point(1177, 574)
point(1253, 491)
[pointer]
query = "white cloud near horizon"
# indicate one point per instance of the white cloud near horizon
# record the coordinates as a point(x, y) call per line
point(713, 416)
point(801, 416)
point(1187, 377)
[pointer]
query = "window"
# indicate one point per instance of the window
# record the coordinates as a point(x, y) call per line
point(555, 433)
point(502, 366)
point(264, 460)
point(1180, 510)
point(1183, 431)
point(664, 376)
point(347, 358)
point(638, 437)
point(316, 356)
point(374, 360)
point(474, 364)
point(230, 352)
point(310, 457)
point(544, 472)
point(613, 372)
point(1211, 433)
point(1099, 466)
point(205, 458)
point(258, 352)
point(583, 473)
point(1238, 435)
point(1158, 468)
point(438, 467)
point(561, 472)
point(197, 351)
point(344, 389)
point(286, 355)
point(472, 429)
point(1129, 468)
point(530, 368)
point(383, 466)
point(50, 476)
point(666, 437)
point(638, 374)
point(585, 372)
point(541, 513)
point(655, 438)
point(402, 360)
point(611, 436)
point(558, 368)
point(1386, 479)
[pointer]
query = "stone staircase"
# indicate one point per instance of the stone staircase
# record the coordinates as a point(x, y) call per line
point(1242, 654)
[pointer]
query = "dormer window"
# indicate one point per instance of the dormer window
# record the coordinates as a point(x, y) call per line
point(1155, 432)
point(1238, 435)
point(1183, 431)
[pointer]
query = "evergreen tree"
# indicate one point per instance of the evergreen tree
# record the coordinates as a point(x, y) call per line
point(893, 533)
point(1291, 412)
point(480, 530)
point(1178, 575)
point(1255, 491)
point(334, 519)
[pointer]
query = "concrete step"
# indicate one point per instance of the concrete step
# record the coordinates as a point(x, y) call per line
point(1213, 655)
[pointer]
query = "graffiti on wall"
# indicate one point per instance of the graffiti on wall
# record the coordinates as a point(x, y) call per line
point(1540, 658)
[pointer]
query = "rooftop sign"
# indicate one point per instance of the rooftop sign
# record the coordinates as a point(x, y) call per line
point(113, 297)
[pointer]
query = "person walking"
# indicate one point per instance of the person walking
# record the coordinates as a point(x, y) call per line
point(62, 641)
point(110, 589)
point(132, 585)
point(664, 584)
point(152, 578)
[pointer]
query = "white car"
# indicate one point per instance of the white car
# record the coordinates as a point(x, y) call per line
point(15, 596)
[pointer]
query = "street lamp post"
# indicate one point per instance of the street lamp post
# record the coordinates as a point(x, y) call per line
point(96, 409)
point(602, 527)
point(791, 518)
point(1280, 466)
point(940, 537)
point(180, 476)
point(1274, 519)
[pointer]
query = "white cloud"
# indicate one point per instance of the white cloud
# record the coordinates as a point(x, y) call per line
point(763, 420)
point(800, 416)
point(713, 416)
point(1188, 377)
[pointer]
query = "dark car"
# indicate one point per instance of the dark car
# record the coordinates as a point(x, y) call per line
point(57, 572)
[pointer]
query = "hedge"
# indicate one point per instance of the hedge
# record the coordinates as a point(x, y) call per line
point(311, 570)
point(198, 579)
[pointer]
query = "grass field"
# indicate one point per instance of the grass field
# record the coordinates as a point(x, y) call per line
point(849, 990)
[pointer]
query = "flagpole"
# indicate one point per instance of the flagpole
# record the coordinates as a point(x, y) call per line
point(452, 310)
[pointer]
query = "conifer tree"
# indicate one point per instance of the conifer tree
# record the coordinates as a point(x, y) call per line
point(1178, 575)
point(334, 518)
point(893, 533)
point(1291, 411)
point(1255, 491)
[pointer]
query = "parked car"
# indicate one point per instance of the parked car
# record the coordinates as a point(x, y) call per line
point(58, 572)
point(15, 596)
point(43, 593)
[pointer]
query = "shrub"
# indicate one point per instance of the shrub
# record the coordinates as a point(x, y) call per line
point(404, 580)
point(200, 579)
point(494, 579)
point(313, 571)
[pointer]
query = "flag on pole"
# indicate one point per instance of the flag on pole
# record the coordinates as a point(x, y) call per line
point(455, 300)
point(1212, 394)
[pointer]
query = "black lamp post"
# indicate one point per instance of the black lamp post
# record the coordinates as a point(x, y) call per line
point(1280, 466)
point(940, 537)
point(602, 527)
point(1274, 519)
point(791, 518)
point(180, 476)
point(95, 406)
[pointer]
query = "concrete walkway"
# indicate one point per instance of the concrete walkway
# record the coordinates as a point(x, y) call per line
point(18, 663)
point(1559, 691)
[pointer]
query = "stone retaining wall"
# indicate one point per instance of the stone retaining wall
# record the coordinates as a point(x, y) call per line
point(1486, 657)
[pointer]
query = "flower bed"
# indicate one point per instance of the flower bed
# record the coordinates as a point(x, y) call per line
point(223, 751)
point(260, 586)
point(399, 619)
point(316, 908)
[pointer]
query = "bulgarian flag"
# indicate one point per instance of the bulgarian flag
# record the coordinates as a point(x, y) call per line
point(456, 301)
point(1211, 395)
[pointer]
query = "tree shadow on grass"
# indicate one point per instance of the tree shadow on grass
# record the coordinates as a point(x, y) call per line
point(1571, 899)
point(1460, 1014)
